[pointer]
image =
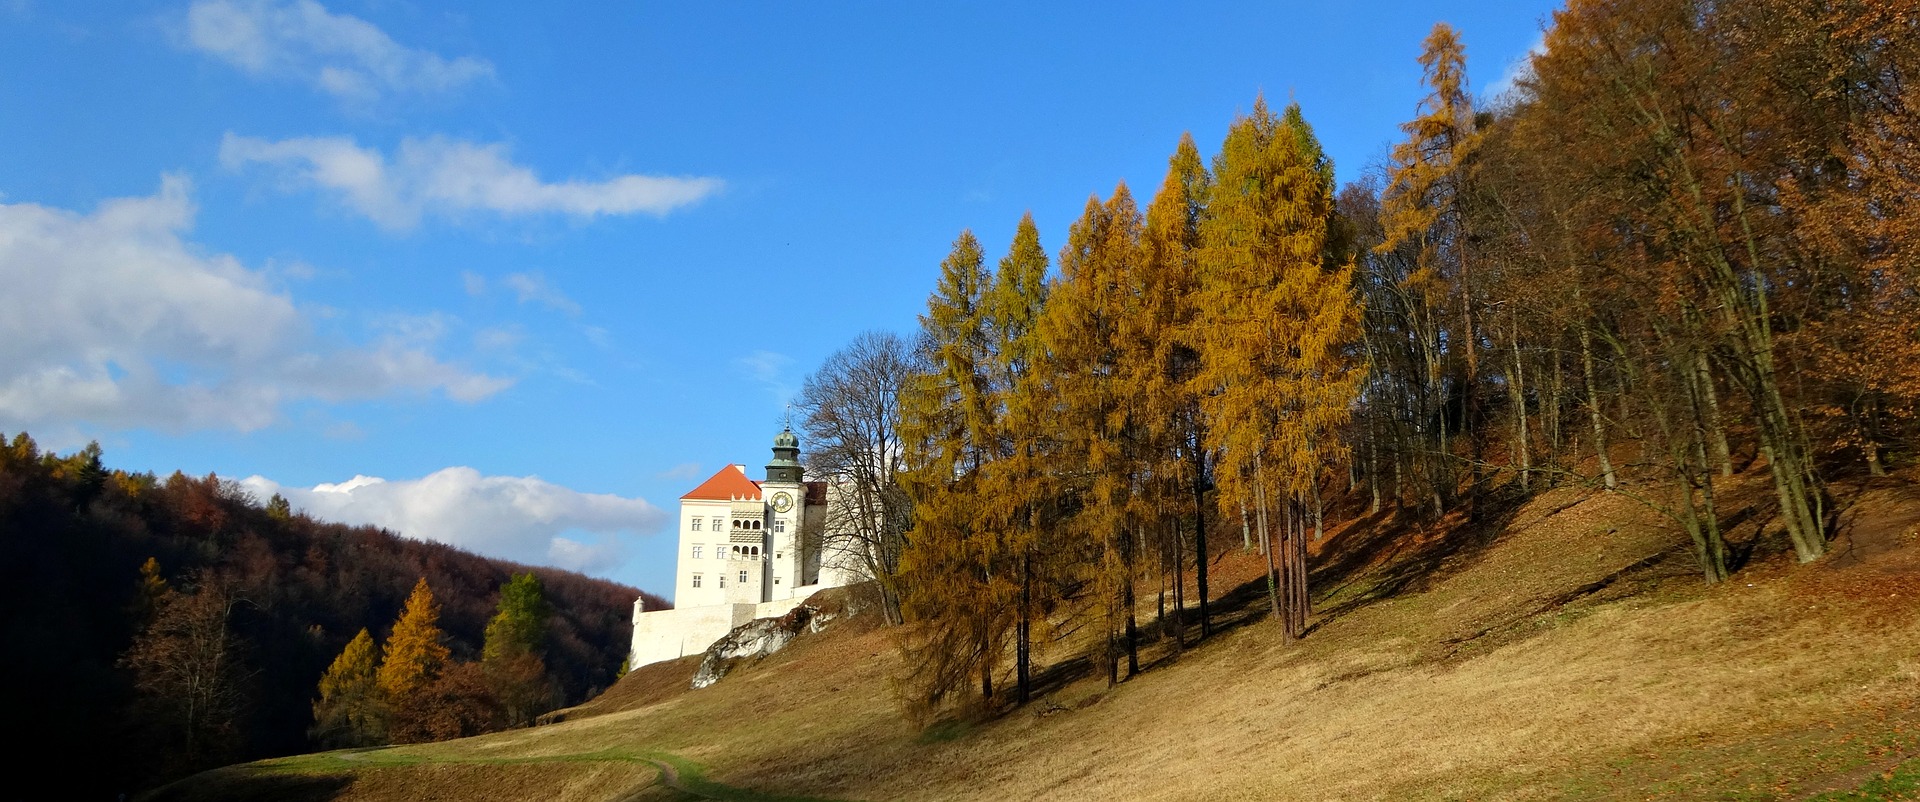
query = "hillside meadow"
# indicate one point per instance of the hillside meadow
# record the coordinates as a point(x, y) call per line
point(1561, 648)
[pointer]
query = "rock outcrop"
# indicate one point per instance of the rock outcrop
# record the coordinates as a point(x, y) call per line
point(757, 639)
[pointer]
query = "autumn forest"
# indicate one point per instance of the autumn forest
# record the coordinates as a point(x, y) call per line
point(1678, 251)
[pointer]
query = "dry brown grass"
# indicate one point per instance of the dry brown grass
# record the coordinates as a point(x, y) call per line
point(1575, 655)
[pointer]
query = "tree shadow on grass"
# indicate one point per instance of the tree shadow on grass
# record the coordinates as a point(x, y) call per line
point(1389, 553)
point(235, 786)
point(1378, 557)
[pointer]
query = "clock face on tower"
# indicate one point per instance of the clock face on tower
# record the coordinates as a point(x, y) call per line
point(782, 502)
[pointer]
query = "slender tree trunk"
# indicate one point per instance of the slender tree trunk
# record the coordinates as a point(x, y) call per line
point(1711, 544)
point(1516, 390)
point(1179, 586)
point(1200, 536)
point(1266, 543)
point(1556, 395)
point(1246, 543)
point(986, 672)
point(1716, 428)
point(1127, 558)
point(1593, 410)
point(1372, 459)
point(1319, 515)
point(1023, 636)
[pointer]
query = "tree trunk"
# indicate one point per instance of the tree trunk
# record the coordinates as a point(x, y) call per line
point(1516, 391)
point(1127, 559)
point(1593, 410)
point(1200, 537)
point(1716, 429)
point(1179, 586)
point(1023, 634)
point(1266, 542)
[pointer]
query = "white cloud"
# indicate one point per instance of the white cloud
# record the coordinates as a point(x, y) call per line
point(339, 54)
point(768, 368)
point(521, 518)
point(533, 288)
point(1518, 68)
point(448, 177)
point(499, 338)
point(113, 319)
point(685, 470)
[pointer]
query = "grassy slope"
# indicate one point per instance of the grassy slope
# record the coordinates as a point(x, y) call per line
point(1561, 649)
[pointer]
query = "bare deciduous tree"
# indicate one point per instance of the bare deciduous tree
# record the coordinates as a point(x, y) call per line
point(851, 409)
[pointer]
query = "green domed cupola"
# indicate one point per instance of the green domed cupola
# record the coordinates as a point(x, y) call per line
point(785, 466)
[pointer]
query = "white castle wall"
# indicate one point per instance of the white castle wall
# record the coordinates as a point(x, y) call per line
point(660, 635)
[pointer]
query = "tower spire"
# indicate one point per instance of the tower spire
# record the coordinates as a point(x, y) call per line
point(785, 466)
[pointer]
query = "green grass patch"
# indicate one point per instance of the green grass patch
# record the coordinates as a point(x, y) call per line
point(693, 777)
point(944, 731)
point(1902, 783)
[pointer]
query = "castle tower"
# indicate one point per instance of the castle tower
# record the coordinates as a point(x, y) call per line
point(786, 499)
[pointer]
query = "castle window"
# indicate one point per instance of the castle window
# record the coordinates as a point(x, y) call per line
point(696, 527)
point(743, 577)
point(696, 553)
point(723, 580)
point(696, 580)
point(779, 525)
point(776, 580)
point(716, 524)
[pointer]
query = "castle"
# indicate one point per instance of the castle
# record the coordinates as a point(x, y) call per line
point(747, 550)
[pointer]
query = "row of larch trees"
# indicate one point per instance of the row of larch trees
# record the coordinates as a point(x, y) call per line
point(1066, 436)
point(1678, 253)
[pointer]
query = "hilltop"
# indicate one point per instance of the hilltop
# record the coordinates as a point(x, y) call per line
point(1560, 647)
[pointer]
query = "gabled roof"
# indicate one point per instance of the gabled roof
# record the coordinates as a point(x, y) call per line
point(730, 483)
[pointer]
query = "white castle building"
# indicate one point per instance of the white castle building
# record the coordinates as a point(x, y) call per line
point(742, 556)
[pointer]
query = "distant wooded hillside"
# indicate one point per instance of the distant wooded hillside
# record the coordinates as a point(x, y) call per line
point(74, 535)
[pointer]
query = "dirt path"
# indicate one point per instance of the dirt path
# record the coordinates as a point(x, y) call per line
point(670, 777)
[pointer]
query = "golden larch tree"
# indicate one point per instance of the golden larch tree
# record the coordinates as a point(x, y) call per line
point(416, 651)
point(1278, 324)
point(350, 711)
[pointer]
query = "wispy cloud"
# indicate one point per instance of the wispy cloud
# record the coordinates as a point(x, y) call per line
point(768, 369)
point(533, 288)
point(338, 54)
point(521, 518)
point(1518, 68)
point(685, 470)
point(114, 319)
point(450, 178)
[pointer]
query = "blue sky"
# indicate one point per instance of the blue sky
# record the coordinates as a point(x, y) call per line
point(533, 270)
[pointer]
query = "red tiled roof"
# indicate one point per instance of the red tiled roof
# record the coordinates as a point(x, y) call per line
point(730, 483)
